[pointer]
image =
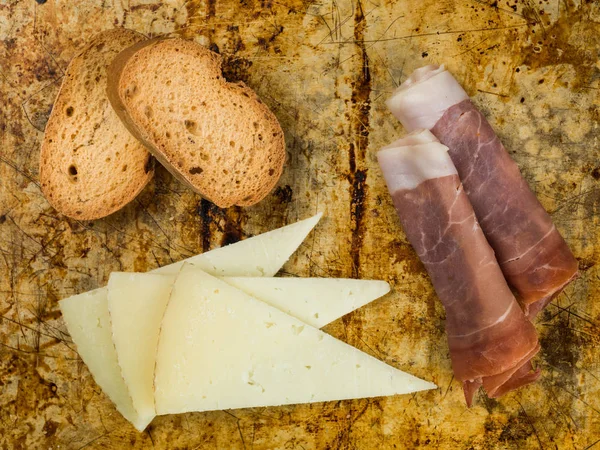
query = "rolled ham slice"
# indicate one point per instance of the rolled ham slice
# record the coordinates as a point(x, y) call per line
point(534, 257)
point(491, 341)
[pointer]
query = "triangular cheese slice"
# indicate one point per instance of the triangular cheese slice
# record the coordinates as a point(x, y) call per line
point(144, 296)
point(220, 348)
point(260, 255)
point(88, 321)
point(314, 301)
point(137, 303)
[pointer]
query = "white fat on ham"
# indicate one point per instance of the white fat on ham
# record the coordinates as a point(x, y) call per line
point(220, 348)
point(417, 157)
point(423, 98)
point(88, 320)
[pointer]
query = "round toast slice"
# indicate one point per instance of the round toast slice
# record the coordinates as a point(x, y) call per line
point(217, 137)
point(90, 165)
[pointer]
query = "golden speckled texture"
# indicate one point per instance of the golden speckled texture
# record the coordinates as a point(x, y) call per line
point(325, 69)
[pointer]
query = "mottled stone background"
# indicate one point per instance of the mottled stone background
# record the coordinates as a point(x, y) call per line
point(325, 68)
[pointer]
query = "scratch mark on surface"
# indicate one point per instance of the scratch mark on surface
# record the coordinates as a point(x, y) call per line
point(435, 33)
point(530, 424)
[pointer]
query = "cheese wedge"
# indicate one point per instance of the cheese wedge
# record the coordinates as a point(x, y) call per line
point(314, 301)
point(258, 256)
point(88, 321)
point(220, 348)
point(136, 303)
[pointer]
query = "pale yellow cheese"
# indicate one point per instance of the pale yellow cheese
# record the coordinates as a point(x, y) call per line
point(137, 302)
point(259, 256)
point(88, 320)
point(220, 348)
point(315, 301)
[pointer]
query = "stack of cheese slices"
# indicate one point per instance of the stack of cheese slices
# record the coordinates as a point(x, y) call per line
point(217, 331)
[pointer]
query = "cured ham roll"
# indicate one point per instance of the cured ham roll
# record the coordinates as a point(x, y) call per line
point(491, 341)
point(534, 257)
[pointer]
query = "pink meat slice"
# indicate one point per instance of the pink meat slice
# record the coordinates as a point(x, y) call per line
point(532, 254)
point(489, 337)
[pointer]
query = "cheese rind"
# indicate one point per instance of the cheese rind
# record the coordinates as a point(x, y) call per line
point(315, 301)
point(221, 348)
point(136, 303)
point(88, 321)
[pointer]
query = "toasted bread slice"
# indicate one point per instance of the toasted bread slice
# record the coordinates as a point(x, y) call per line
point(215, 136)
point(90, 165)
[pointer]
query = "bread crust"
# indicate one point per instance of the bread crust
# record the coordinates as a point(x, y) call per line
point(216, 137)
point(90, 165)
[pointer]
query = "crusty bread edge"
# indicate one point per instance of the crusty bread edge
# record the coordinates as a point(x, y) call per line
point(112, 90)
point(115, 73)
point(50, 128)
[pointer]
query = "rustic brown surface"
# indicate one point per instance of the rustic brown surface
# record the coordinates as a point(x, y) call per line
point(325, 68)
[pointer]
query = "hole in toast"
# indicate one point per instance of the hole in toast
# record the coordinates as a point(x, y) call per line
point(194, 108)
point(196, 170)
point(131, 90)
point(255, 125)
point(260, 138)
point(205, 157)
point(271, 172)
point(72, 170)
point(124, 169)
point(167, 134)
point(148, 111)
point(69, 111)
point(191, 126)
point(232, 143)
